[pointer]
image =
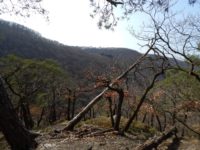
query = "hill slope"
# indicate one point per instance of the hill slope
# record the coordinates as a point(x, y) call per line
point(19, 40)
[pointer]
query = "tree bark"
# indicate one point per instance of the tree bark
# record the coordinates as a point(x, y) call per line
point(41, 115)
point(16, 135)
point(73, 105)
point(26, 114)
point(152, 119)
point(165, 121)
point(52, 113)
point(111, 111)
point(69, 108)
point(144, 118)
point(119, 107)
point(159, 123)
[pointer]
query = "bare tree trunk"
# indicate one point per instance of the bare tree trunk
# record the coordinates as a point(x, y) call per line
point(159, 122)
point(93, 113)
point(119, 107)
point(144, 118)
point(152, 119)
point(26, 114)
point(16, 135)
point(69, 108)
point(52, 113)
point(165, 121)
point(41, 115)
point(73, 105)
point(111, 111)
point(153, 143)
point(90, 114)
point(80, 115)
point(183, 130)
point(141, 101)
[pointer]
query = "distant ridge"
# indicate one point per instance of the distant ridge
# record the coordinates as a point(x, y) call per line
point(22, 41)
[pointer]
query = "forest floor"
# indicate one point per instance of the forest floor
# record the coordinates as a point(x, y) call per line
point(83, 139)
point(93, 137)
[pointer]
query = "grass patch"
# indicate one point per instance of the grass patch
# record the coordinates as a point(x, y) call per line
point(140, 127)
point(101, 121)
point(136, 126)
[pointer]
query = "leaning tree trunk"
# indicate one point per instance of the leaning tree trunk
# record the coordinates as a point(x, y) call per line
point(155, 142)
point(16, 135)
point(81, 114)
point(142, 99)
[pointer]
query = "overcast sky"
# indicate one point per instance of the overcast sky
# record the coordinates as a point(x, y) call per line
point(71, 24)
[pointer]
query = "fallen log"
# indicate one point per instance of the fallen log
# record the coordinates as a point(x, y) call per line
point(153, 143)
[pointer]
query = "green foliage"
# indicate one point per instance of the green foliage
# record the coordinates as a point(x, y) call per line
point(32, 79)
point(138, 126)
point(184, 84)
point(101, 121)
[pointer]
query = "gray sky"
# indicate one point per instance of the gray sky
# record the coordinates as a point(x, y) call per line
point(71, 24)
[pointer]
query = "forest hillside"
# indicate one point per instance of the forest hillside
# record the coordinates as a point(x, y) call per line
point(56, 96)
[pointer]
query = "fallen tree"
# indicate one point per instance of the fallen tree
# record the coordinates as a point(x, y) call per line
point(153, 143)
point(79, 116)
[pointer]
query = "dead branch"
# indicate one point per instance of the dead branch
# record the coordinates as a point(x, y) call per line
point(115, 3)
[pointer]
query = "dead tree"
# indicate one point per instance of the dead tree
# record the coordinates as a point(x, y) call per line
point(81, 114)
point(119, 106)
point(153, 143)
point(16, 135)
